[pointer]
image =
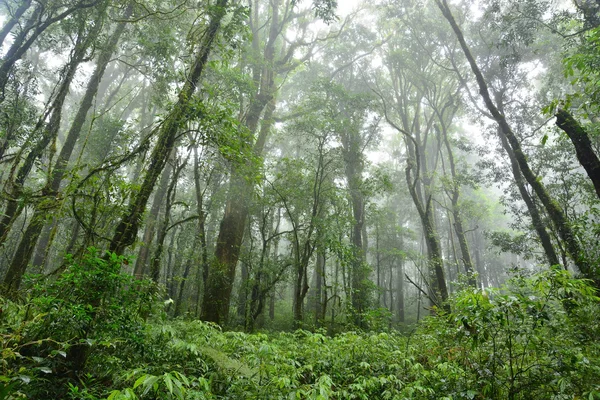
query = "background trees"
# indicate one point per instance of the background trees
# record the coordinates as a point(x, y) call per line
point(304, 169)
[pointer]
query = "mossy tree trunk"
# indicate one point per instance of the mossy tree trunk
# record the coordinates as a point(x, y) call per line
point(50, 192)
point(49, 131)
point(219, 283)
point(127, 229)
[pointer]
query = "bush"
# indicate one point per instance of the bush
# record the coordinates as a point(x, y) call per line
point(88, 312)
point(536, 337)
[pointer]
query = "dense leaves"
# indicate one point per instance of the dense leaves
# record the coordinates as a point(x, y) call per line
point(532, 338)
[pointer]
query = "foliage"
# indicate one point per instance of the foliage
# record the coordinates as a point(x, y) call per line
point(90, 307)
point(533, 338)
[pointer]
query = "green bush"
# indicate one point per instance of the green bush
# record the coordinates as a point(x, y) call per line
point(536, 337)
point(84, 316)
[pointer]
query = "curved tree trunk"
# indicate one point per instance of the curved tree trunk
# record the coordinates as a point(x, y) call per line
point(552, 208)
point(534, 213)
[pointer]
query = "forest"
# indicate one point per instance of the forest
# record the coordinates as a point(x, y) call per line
point(299, 199)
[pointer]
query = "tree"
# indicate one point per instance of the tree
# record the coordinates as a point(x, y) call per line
point(554, 212)
point(50, 191)
point(166, 134)
point(272, 62)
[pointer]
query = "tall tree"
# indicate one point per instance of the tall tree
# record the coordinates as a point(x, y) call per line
point(50, 191)
point(46, 132)
point(554, 211)
point(37, 22)
point(272, 62)
point(166, 133)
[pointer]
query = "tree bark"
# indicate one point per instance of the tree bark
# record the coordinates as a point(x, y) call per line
point(583, 146)
point(127, 229)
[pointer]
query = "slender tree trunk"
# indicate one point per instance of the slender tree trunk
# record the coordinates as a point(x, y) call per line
point(8, 25)
point(400, 291)
point(437, 284)
point(456, 214)
point(552, 208)
point(534, 213)
point(127, 229)
point(164, 227)
point(151, 221)
point(202, 214)
point(186, 272)
point(318, 288)
point(242, 311)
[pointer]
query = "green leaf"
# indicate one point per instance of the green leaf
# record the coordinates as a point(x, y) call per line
point(168, 382)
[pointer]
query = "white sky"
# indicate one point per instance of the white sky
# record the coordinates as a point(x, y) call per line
point(345, 7)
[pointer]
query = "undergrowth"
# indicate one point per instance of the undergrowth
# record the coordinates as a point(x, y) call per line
point(96, 334)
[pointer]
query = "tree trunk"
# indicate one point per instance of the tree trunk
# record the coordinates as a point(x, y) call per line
point(583, 146)
point(438, 290)
point(164, 227)
point(13, 20)
point(400, 291)
point(458, 223)
point(23, 42)
point(534, 213)
point(151, 221)
point(217, 293)
point(552, 208)
point(318, 288)
point(31, 235)
point(184, 277)
point(127, 229)
point(19, 263)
